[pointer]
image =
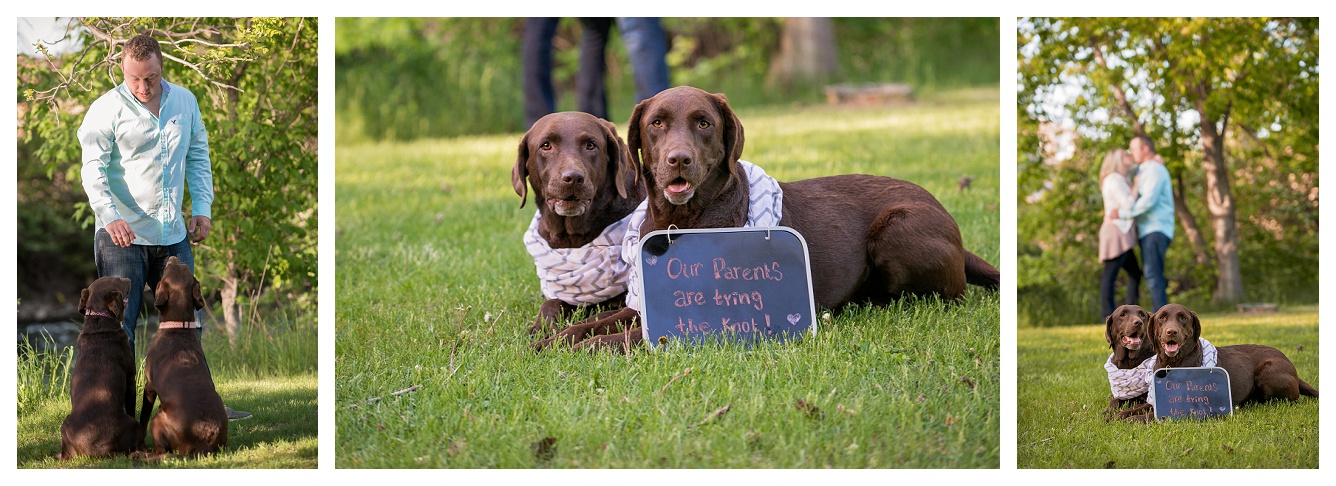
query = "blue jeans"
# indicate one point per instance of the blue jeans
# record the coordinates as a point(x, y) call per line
point(647, 46)
point(142, 264)
point(1153, 247)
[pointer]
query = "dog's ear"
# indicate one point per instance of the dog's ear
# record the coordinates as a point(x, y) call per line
point(199, 297)
point(1151, 325)
point(160, 295)
point(1196, 326)
point(633, 142)
point(520, 172)
point(625, 171)
point(1108, 329)
point(83, 301)
point(116, 303)
point(733, 139)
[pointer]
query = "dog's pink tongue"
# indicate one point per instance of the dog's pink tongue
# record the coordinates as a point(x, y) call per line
point(1171, 348)
point(679, 186)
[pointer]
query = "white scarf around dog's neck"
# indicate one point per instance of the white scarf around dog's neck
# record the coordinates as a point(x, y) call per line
point(590, 274)
point(764, 209)
point(1133, 382)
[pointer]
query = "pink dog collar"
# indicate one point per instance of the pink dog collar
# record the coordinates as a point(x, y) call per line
point(178, 325)
point(99, 313)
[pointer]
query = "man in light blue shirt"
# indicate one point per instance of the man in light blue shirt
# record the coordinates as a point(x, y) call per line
point(1154, 215)
point(144, 144)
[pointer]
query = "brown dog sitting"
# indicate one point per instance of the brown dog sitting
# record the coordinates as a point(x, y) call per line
point(585, 183)
point(102, 385)
point(1126, 331)
point(191, 419)
point(1256, 373)
point(870, 238)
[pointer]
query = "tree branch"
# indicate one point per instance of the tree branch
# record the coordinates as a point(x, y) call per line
point(1117, 90)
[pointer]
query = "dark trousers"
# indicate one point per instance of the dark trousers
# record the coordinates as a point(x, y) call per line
point(539, 95)
point(1109, 281)
point(1153, 248)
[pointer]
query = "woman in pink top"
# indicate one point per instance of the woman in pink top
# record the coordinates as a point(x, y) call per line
point(1117, 237)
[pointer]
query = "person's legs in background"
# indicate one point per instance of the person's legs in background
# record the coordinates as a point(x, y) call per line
point(1153, 248)
point(1133, 277)
point(114, 261)
point(590, 94)
point(536, 54)
point(647, 46)
point(1108, 282)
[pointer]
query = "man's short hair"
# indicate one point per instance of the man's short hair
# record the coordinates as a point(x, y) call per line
point(141, 47)
point(1145, 140)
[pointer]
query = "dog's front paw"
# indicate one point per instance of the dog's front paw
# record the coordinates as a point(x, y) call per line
point(568, 336)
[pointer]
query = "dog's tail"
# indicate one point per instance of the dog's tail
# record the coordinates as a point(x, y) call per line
point(979, 272)
point(1306, 389)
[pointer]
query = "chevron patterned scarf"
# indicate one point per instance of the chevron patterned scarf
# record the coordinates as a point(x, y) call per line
point(590, 274)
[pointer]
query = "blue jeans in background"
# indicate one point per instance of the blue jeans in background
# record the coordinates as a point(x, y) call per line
point(647, 47)
point(1153, 248)
point(142, 264)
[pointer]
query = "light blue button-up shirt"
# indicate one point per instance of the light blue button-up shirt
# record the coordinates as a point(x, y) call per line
point(1154, 207)
point(136, 165)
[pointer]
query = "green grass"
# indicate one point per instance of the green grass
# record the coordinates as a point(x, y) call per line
point(271, 372)
point(1062, 391)
point(435, 290)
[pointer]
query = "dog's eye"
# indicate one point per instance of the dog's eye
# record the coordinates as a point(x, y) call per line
point(545, 146)
point(656, 123)
point(704, 124)
point(590, 146)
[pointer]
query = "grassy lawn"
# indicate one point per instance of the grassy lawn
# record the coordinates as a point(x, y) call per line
point(1062, 390)
point(435, 291)
point(270, 373)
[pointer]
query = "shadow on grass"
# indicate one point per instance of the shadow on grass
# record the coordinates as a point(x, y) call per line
point(282, 433)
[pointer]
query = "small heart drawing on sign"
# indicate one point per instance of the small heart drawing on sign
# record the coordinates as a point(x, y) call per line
point(793, 318)
point(1222, 409)
point(651, 260)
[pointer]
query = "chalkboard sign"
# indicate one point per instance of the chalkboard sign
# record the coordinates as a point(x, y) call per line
point(737, 284)
point(1191, 393)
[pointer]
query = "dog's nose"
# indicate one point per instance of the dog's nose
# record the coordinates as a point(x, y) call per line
point(679, 157)
point(572, 177)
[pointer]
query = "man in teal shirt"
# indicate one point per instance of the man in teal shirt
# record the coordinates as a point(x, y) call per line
point(143, 144)
point(1154, 215)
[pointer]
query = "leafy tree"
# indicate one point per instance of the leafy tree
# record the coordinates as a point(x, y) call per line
point(256, 82)
point(1221, 98)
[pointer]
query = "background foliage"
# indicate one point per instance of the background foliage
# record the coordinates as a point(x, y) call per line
point(440, 69)
point(262, 145)
point(1271, 150)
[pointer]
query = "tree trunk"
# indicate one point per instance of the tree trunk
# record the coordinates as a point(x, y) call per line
point(231, 313)
point(806, 52)
point(1189, 223)
point(1220, 204)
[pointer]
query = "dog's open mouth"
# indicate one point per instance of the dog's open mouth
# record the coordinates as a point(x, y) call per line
point(679, 191)
point(1132, 343)
point(568, 206)
point(1171, 347)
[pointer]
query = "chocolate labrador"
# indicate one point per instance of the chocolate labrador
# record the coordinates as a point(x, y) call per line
point(102, 385)
point(583, 180)
point(1125, 330)
point(191, 419)
point(1256, 373)
point(869, 238)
